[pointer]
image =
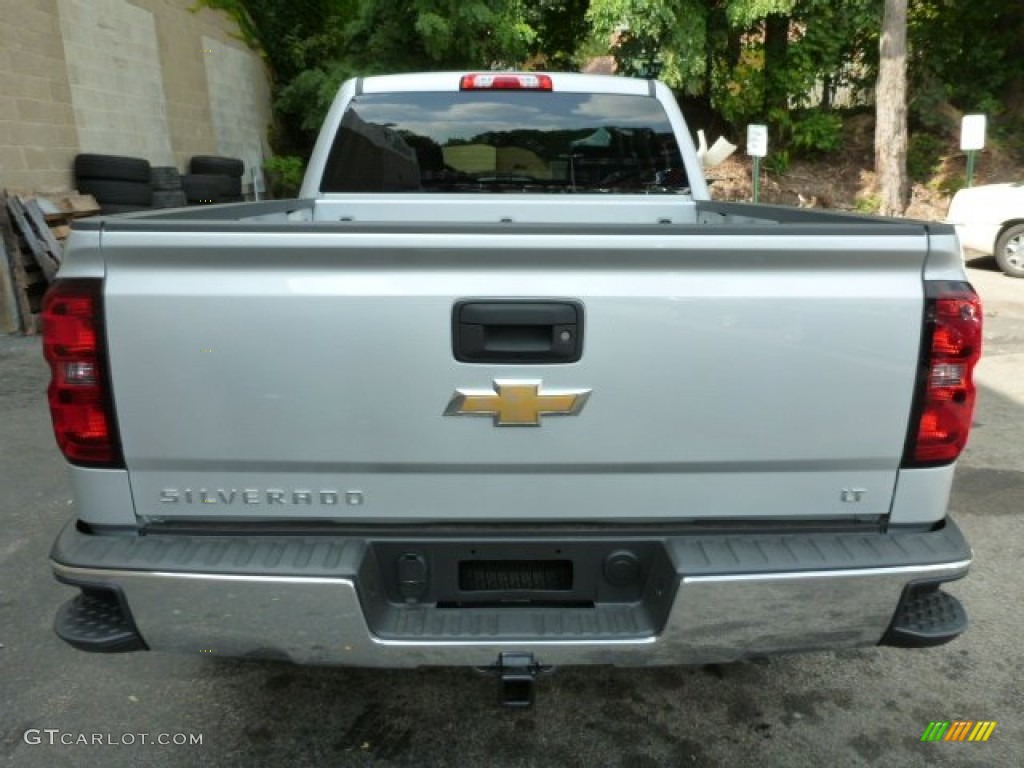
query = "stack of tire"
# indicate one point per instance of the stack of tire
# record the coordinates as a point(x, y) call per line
point(166, 183)
point(119, 184)
point(212, 179)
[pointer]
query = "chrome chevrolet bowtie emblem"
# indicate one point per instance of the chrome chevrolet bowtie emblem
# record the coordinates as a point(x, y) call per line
point(517, 403)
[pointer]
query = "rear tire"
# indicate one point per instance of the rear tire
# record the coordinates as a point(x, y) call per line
point(1010, 250)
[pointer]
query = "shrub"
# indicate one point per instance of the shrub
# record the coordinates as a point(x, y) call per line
point(818, 131)
point(284, 175)
point(777, 162)
point(868, 204)
point(924, 155)
point(950, 185)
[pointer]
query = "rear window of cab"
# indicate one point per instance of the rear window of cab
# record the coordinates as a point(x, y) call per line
point(505, 141)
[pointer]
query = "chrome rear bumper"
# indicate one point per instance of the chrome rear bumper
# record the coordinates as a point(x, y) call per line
point(307, 603)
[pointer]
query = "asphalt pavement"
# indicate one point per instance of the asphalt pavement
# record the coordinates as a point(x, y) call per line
point(855, 708)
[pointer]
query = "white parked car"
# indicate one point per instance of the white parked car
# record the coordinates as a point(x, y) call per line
point(990, 219)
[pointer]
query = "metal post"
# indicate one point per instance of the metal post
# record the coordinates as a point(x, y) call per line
point(970, 166)
point(757, 177)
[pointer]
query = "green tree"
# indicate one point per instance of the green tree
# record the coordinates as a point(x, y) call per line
point(752, 59)
point(312, 45)
point(967, 53)
point(560, 30)
point(675, 31)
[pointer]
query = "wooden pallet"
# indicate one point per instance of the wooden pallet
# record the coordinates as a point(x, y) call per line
point(22, 273)
point(13, 296)
point(32, 231)
point(31, 225)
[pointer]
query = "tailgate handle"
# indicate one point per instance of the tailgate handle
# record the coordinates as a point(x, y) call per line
point(517, 331)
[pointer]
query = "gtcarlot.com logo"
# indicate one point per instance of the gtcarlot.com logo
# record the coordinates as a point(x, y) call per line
point(55, 736)
point(958, 730)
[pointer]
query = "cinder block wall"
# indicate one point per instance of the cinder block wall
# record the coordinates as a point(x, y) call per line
point(146, 78)
point(37, 123)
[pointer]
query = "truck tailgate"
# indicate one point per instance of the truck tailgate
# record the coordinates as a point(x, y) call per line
point(734, 372)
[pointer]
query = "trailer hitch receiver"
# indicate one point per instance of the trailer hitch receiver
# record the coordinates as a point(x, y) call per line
point(516, 675)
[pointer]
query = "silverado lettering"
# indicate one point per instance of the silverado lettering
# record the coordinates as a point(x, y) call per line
point(251, 496)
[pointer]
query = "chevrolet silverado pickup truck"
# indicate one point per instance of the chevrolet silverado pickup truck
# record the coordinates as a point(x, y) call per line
point(506, 389)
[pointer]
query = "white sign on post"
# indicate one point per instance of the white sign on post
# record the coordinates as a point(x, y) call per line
point(972, 132)
point(757, 140)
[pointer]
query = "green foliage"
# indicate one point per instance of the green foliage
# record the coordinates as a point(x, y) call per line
point(928, 105)
point(868, 204)
point(970, 50)
point(284, 175)
point(289, 34)
point(751, 60)
point(673, 30)
point(312, 45)
point(817, 132)
point(950, 185)
point(307, 97)
point(561, 31)
point(777, 162)
point(737, 91)
point(837, 47)
point(924, 155)
point(745, 13)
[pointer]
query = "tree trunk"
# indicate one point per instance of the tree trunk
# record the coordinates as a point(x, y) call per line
point(891, 111)
point(827, 90)
point(776, 50)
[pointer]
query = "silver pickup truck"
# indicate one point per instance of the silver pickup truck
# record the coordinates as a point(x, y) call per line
point(506, 389)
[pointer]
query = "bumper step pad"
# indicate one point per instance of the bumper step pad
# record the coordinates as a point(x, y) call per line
point(98, 620)
point(926, 618)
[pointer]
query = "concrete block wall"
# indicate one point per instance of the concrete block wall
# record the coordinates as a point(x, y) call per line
point(123, 77)
point(239, 97)
point(185, 89)
point(37, 127)
point(116, 84)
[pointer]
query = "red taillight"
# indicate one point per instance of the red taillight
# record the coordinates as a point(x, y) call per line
point(493, 81)
point(79, 395)
point(945, 398)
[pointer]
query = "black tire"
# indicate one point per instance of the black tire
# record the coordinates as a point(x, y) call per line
point(233, 199)
point(114, 192)
point(113, 210)
point(165, 198)
point(201, 188)
point(221, 166)
point(165, 177)
point(230, 186)
point(1010, 250)
point(111, 167)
